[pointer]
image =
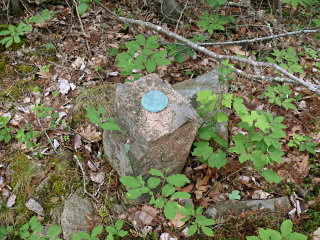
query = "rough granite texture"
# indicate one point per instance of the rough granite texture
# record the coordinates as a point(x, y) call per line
point(237, 207)
point(75, 216)
point(208, 81)
point(147, 139)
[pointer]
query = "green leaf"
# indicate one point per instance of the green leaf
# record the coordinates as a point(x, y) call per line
point(202, 149)
point(235, 195)
point(227, 100)
point(286, 228)
point(207, 222)
point(162, 61)
point(118, 224)
point(109, 126)
point(53, 231)
point(9, 42)
point(110, 237)
point(152, 42)
point(113, 51)
point(93, 115)
point(296, 236)
point(178, 180)
point(192, 230)
point(159, 54)
point(141, 39)
point(153, 182)
point(135, 193)
point(207, 231)
point(244, 157)
point(122, 233)
point(168, 190)
point(82, 8)
point(271, 176)
point(130, 182)
point(5, 32)
point(183, 195)
point(150, 66)
point(221, 117)
point(170, 210)
point(253, 238)
point(217, 160)
point(155, 172)
point(97, 230)
point(111, 230)
point(179, 57)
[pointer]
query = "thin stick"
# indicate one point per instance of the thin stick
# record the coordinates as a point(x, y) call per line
point(312, 87)
point(259, 39)
point(84, 178)
point(82, 28)
point(181, 14)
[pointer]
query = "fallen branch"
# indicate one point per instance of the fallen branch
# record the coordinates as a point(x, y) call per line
point(259, 39)
point(312, 87)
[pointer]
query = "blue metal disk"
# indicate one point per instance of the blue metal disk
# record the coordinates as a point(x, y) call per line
point(154, 101)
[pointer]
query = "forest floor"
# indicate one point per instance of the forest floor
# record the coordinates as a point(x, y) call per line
point(63, 66)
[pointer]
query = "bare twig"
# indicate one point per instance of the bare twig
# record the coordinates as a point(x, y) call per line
point(45, 133)
point(84, 178)
point(261, 38)
point(181, 14)
point(312, 87)
point(82, 28)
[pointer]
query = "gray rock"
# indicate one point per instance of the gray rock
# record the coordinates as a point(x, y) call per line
point(222, 209)
point(208, 81)
point(34, 206)
point(75, 216)
point(147, 139)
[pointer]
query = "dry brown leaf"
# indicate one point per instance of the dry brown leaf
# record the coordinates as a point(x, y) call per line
point(92, 134)
point(176, 222)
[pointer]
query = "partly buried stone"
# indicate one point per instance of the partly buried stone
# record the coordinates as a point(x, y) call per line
point(76, 216)
point(148, 139)
point(208, 81)
point(237, 207)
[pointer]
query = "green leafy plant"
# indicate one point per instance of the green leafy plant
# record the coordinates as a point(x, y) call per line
point(16, 32)
point(303, 142)
point(259, 141)
point(200, 222)
point(137, 187)
point(279, 95)
point(213, 22)
point(316, 21)
point(83, 6)
point(27, 137)
point(216, 3)
point(234, 195)
point(179, 51)
point(141, 54)
point(5, 131)
point(116, 231)
point(31, 231)
point(225, 71)
point(93, 236)
point(210, 109)
point(286, 233)
point(43, 112)
point(98, 117)
point(287, 59)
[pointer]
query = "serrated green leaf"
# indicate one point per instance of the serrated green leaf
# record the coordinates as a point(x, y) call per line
point(183, 195)
point(221, 117)
point(111, 230)
point(192, 230)
point(118, 224)
point(53, 231)
point(286, 228)
point(141, 39)
point(153, 182)
point(177, 180)
point(155, 172)
point(130, 182)
point(207, 231)
point(179, 57)
point(235, 195)
point(217, 160)
point(271, 176)
point(170, 210)
point(109, 126)
point(162, 61)
point(82, 8)
point(150, 66)
point(168, 190)
point(202, 149)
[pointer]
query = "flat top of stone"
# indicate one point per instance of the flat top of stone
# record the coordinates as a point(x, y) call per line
point(152, 125)
point(154, 101)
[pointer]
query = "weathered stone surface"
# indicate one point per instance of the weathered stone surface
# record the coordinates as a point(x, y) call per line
point(208, 81)
point(222, 209)
point(147, 139)
point(75, 216)
point(34, 206)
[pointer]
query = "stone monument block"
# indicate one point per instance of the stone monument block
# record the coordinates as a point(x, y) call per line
point(158, 128)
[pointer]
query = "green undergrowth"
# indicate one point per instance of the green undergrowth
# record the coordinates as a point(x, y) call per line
point(58, 179)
